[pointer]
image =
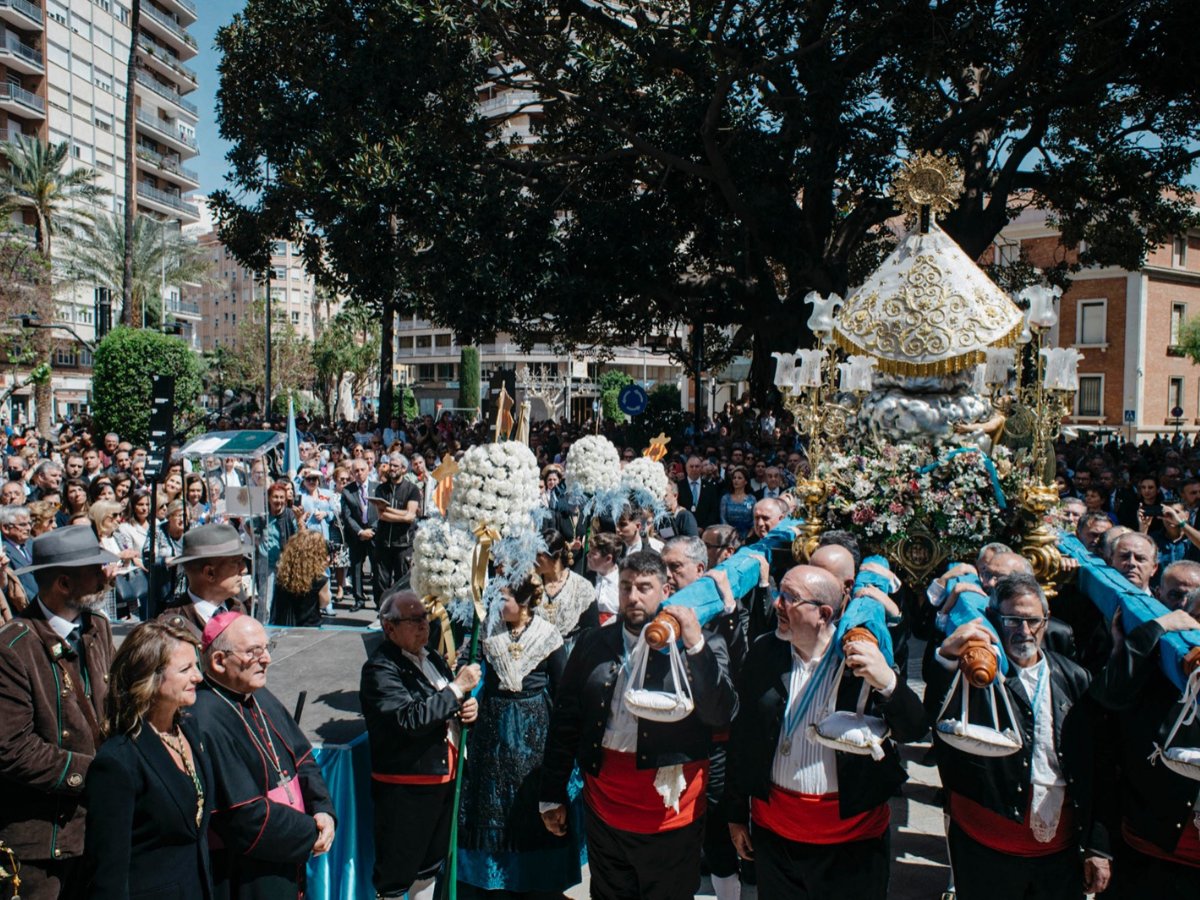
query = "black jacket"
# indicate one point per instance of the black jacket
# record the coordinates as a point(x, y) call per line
point(142, 838)
point(708, 510)
point(863, 783)
point(584, 700)
point(1157, 803)
point(352, 515)
point(407, 719)
point(1002, 784)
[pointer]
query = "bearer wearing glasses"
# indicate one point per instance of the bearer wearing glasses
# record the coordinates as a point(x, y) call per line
point(1017, 822)
point(271, 808)
point(413, 705)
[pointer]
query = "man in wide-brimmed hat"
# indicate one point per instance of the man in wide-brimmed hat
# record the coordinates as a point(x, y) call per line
point(54, 659)
point(214, 560)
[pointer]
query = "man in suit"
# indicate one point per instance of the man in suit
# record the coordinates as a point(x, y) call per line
point(642, 844)
point(214, 560)
point(701, 498)
point(360, 518)
point(413, 706)
point(814, 819)
point(773, 486)
point(1017, 821)
point(15, 526)
point(54, 660)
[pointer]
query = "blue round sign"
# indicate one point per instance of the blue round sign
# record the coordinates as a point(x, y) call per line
point(633, 399)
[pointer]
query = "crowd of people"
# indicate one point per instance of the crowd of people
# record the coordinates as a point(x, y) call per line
point(167, 765)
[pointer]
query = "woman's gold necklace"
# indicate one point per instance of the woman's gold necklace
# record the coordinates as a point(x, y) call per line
point(174, 741)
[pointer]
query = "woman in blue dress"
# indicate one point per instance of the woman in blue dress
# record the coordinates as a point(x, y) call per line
point(502, 843)
point(737, 506)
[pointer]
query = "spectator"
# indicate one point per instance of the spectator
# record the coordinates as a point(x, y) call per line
point(301, 581)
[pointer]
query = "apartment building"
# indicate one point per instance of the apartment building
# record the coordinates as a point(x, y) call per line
point(63, 67)
point(1133, 376)
point(224, 303)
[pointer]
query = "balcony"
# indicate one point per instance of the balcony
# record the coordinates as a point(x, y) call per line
point(184, 9)
point(18, 55)
point(167, 130)
point(164, 63)
point(22, 14)
point(169, 166)
point(183, 308)
point(168, 29)
point(20, 102)
point(167, 93)
point(168, 204)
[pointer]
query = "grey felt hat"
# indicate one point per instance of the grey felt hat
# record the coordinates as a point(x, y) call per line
point(211, 542)
point(71, 547)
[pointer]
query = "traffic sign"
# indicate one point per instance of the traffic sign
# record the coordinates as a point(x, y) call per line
point(1130, 416)
point(633, 399)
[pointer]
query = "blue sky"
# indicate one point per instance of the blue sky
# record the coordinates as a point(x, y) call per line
point(211, 161)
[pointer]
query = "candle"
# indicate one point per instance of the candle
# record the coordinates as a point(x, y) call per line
point(999, 361)
point(808, 368)
point(1062, 368)
point(1041, 299)
point(821, 320)
point(857, 373)
point(785, 367)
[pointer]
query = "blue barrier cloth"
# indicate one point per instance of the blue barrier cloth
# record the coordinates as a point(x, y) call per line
point(344, 873)
point(1108, 589)
point(867, 612)
point(702, 594)
point(972, 607)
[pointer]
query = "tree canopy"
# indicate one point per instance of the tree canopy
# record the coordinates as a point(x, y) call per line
point(701, 162)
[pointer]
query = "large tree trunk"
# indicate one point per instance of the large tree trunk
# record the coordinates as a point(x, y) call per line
point(387, 388)
point(129, 315)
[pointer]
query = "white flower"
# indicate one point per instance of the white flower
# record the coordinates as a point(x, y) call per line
point(496, 485)
point(646, 474)
point(593, 465)
point(442, 560)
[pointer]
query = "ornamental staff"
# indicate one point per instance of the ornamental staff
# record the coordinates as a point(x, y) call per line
point(54, 659)
point(641, 843)
point(1017, 821)
point(816, 820)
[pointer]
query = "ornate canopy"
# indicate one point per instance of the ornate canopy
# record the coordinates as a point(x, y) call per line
point(927, 310)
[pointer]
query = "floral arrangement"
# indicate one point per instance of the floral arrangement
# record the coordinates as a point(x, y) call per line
point(442, 560)
point(959, 494)
point(496, 485)
point(593, 466)
point(645, 476)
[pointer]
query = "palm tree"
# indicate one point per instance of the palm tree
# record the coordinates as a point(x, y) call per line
point(60, 201)
point(159, 255)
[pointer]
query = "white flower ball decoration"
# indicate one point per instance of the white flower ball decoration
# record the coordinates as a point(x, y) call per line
point(442, 560)
point(645, 474)
point(496, 485)
point(593, 465)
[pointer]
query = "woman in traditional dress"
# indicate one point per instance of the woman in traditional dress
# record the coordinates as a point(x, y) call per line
point(569, 602)
point(502, 843)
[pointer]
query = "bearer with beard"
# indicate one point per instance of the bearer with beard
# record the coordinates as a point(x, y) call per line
point(1017, 822)
point(644, 780)
point(54, 659)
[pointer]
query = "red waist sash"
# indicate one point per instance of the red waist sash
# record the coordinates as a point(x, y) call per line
point(623, 796)
point(816, 818)
point(421, 779)
point(1004, 835)
point(1187, 851)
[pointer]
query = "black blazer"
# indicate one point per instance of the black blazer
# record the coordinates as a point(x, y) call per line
point(142, 839)
point(584, 699)
point(352, 515)
point(863, 783)
point(1002, 784)
point(407, 719)
point(1156, 801)
point(708, 511)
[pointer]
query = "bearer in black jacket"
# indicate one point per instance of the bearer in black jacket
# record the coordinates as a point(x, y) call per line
point(413, 705)
point(1018, 822)
point(818, 817)
point(1159, 855)
point(644, 781)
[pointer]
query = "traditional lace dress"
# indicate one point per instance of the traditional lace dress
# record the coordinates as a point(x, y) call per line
point(502, 842)
point(569, 610)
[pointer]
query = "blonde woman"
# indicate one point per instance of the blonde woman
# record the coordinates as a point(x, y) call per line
point(103, 516)
point(301, 581)
point(42, 516)
point(149, 790)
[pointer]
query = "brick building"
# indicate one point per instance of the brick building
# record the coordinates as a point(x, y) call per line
point(1126, 324)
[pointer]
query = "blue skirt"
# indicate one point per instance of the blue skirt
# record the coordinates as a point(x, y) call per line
point(502, 843)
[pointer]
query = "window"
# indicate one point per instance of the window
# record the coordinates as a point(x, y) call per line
point(279, 248)
point(295, 317)
point(425, 372)
point(1089, 401)
point(1008, 254)
point(104, 123)
point(1091, 324)
point(442, 340)
point(1179, 252)
point(424, 341)
point(1178, 311)
point(445, 371)
point(1174, 396)
point(406, 342)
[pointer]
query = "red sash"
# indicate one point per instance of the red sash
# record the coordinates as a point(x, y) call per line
point(815, 818)
point(1187, 851)
point(421, 779)
point(623, 796)
point(1004, 835)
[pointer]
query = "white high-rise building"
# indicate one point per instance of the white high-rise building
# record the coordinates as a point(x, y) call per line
point(63, 68)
